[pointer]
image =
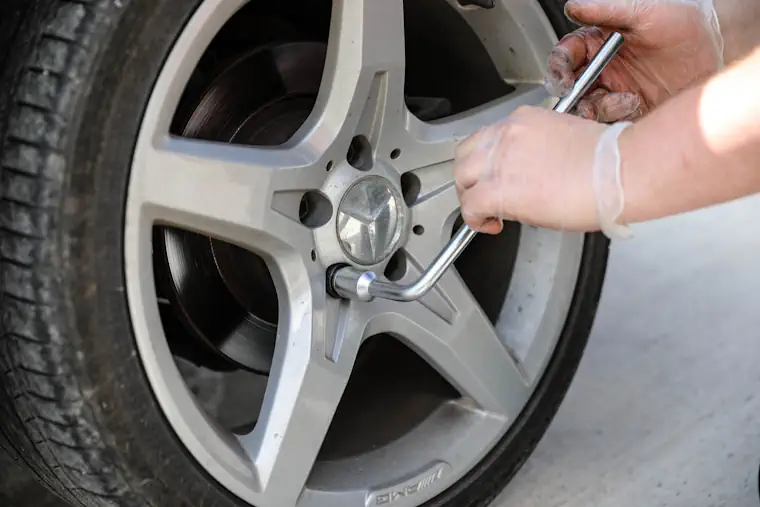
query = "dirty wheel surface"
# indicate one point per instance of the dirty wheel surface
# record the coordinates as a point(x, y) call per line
point(178, 176)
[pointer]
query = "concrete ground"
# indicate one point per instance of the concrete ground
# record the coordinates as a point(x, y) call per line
point(665, 410)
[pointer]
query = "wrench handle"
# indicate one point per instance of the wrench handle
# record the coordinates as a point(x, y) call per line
point(582, 85)
point(350, 283)
point(592, 72)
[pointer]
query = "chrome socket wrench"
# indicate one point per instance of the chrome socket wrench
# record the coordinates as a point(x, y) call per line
point(350, 283)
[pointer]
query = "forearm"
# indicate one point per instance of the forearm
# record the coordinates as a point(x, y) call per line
point(739, 25)
point(699, 149)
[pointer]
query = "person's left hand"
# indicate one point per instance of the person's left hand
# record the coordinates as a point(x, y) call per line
point(534, 168)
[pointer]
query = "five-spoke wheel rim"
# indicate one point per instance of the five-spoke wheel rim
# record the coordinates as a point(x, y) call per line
point(243, 195)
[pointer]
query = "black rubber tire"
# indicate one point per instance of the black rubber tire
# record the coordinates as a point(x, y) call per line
point(75, 405)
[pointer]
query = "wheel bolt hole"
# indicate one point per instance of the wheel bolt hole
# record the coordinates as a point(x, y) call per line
point(360, 153)
point(483, 4)
point(314, 256)
point(418, 230)
point(395, 154)
point(396, 267)
point(329, 166)
point(410, 188)
point(314, 209)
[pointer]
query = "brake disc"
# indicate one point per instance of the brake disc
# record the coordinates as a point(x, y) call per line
point(223, 295)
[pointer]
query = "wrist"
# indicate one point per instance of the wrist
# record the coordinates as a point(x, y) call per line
point(607, 181)
point(630, 153)
point(649, 155)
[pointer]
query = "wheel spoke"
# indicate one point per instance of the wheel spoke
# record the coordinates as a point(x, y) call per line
point(435, 207)
point(363, 84)
point(435, 142)
point(465, 349)
point(303, 393)
point(225, 191)
point(520, 52)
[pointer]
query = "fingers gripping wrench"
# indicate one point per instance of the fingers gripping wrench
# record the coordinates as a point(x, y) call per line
point(350, 283)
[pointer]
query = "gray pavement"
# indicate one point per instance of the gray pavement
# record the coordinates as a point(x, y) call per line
point(665, 410)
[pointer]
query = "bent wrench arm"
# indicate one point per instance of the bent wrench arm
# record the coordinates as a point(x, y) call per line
point(350, 283)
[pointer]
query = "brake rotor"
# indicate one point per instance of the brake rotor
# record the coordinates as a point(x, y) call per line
point(223, 295)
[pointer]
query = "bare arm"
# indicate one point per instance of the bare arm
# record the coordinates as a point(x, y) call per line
point(739, 21)
point(698, 149)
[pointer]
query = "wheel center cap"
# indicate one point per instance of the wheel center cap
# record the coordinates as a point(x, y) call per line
point(371, 220)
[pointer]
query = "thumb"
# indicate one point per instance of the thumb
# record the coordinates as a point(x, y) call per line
point(481, 208)
point(619, 14)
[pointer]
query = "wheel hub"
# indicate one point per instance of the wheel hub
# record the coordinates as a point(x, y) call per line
point(371, 220)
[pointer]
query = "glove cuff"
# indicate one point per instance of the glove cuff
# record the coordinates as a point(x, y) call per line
point(607, 182)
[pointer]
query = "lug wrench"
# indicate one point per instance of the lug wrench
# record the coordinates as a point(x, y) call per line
point(350, 283)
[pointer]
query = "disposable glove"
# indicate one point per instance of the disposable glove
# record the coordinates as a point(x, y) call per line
point(538, 167)
point(669, 46)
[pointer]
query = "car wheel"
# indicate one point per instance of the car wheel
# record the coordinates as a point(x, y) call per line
point(178, 175)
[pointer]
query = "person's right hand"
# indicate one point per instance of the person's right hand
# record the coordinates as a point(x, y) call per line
point(669, 45)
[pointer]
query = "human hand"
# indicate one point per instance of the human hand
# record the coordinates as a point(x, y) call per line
point(541, 168)
point(669, 45)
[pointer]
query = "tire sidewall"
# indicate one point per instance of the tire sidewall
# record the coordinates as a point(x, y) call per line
point(129, 44)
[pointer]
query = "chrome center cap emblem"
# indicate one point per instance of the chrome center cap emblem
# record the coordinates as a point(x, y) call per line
point(371, 220)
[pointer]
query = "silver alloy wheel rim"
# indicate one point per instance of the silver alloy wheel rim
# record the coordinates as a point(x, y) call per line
point(234, 193)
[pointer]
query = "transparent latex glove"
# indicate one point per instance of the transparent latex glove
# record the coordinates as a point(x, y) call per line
point(669, 45)
point(542, 168)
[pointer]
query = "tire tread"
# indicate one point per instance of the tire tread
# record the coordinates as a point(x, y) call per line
point(41, 402)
